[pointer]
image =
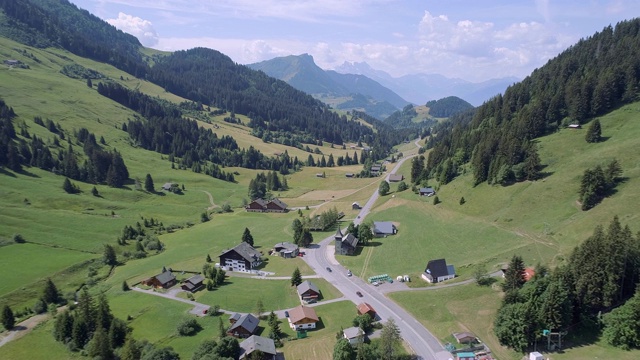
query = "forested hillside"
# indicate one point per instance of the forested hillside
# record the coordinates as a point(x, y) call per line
point(44, 23)
point(448, 106)
point(202, 75)
point(589, 79)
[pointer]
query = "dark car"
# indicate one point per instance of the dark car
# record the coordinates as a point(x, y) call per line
point(328, 269)
point(359, 293)
point(286, 313)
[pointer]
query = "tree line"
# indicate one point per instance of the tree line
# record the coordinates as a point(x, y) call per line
point(601, 274)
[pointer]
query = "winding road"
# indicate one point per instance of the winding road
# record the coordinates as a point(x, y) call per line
point(419, 338)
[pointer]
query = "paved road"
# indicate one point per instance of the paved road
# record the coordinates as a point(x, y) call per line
point(320, 256)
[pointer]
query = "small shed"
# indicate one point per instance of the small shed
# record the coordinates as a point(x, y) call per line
point(464, 337)
point(427, 191)
point(466, 356)
point(574, 126)
point(355, 206)
point(535, 356)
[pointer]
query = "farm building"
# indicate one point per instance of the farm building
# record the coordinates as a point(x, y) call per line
point(242, 325)
point(375, 170)
point(265, 346)
point(345, 245)
point(243, 257)
point(193, 283)
point(308, 292)
point(574, 126)
point(383, 228)
point(164, 280)
point(355, 206)
point(349, 175)
point(464, 337)
point(396, 177)
point(260, 205)
point(364, 308)
point(287, 249)
point(438, 270)
point(11, 62)
point(427, 191)
point(302, 317)
point(354, 335)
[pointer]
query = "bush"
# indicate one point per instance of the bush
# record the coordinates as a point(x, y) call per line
point(19, 239)
point(188, 327)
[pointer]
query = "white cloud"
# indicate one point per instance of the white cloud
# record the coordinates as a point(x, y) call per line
point(138, 27)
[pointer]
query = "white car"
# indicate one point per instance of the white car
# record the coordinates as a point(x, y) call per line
point(349, 273)
point(375, 283)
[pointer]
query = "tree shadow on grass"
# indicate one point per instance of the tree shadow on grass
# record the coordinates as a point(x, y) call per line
point(4, 171)
point(26, 173)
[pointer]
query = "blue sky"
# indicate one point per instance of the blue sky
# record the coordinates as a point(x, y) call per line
point(473, 40)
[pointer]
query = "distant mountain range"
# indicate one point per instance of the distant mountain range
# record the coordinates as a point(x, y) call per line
point(420, 88)
point(342, 91)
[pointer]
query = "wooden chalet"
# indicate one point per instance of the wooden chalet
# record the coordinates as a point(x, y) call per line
point(254, 343)
point(364, 308)
point(164, 280)
point(308, 292)
point(243, 257)
point(302, 318)
point(193, 283)
point(242, 325)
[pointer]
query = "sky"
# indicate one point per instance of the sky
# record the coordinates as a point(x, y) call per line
point(468, 39)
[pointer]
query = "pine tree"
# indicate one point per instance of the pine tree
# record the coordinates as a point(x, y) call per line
point(514, 275)
point(94, 191)
point(296, 277)
point(68, 187)
point(8, 320)
point(63, 327)
point(130, 350)
point(99, 346)
point(109, 255)
point(222, 332)
point(50, 294)
point(389, 339)
point(148, 184)
point(247, 237)
point(125, 286)
point(594, 132)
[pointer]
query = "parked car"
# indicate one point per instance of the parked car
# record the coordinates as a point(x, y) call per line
point(349, 273)
point(328, 269)
point(375, 283)
point(286, 313)
point(359, 293)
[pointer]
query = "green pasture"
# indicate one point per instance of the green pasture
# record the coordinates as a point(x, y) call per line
point(38, 345)
point(156, 319)
point(15, 260)
point(428, 232)
point(320, 342)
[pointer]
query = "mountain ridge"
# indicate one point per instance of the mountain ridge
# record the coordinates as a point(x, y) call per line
point(420, 88)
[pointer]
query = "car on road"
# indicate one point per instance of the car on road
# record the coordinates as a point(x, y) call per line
point(359, 293)
point(329, 269)
point(286, 313)
point(349, 273)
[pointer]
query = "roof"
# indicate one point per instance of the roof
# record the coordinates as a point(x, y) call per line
point(351, 240)
point(165, 277)
point(245, 250)
point(451, 270)
point(437, 268)
point(466, 355)
point(167, 186)
point(463, 335)
point(245, 321)
point(375, 168)
point(260, 202)
point(196, 279)
point(396, 177)
point(339, 233)
point(285, 246)
point(279, 203)
point(364, 308)
point(301, 312)
point(306, 286)
point(427, 190)
point(383, 227)
point(529, 273)
point(255, 342)
point(353, 332)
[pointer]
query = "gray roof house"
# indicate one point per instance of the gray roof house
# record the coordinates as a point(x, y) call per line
point(396, 177)
point(258, 343)
point(383, 228)
point(345, 245)
point(242, 325)
point(438, 270)
point(427, 191)
point(287, 249)
point(193, 283)
point(354, 335)
point(243, 257)
point(164, 280)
